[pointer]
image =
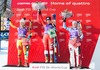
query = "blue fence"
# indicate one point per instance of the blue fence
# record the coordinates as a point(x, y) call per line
point(4, 35)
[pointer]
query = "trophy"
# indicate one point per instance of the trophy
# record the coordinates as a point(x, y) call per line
point(38, 6)
point(66, 14)
point(8, 13)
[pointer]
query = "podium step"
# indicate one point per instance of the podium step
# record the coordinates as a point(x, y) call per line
point(50, 66)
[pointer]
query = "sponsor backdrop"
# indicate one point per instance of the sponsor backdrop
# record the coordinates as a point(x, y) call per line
point(86, 11)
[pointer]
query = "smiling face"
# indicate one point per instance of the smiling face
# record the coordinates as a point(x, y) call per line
point(74, 24)
point(48, 21)
point(22, 23)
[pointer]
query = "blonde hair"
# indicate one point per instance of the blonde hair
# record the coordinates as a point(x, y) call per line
point(22, 20)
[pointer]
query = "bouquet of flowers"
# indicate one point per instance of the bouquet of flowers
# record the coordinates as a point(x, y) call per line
point(8, 13)
point(66, 14)
point(38, 6)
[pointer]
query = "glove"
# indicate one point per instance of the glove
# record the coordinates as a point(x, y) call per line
point(64, 19)
point(54, 16)
point(78, 21)
point(29, 36)
point(39, 11)
point(24, 18)
point(8, 19)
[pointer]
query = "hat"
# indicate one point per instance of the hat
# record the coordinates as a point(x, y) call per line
point(48, 18)
point(22, 20)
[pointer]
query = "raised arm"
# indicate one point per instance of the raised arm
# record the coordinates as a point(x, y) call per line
point(81, 35)
point(53, 21)
point(12, 25)
point(80, 30)
point(41, 18)
point(30, 24)
point(64, 25)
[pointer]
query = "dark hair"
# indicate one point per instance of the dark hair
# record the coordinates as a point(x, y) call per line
point(48, 18)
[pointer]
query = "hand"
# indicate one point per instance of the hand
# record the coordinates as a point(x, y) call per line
point(8, 19)
point(54, 16)
point(64, 19)
point(39, 11)
point(78, 21)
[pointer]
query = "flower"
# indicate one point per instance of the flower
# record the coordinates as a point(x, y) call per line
point(38, 6)
point(66, 14)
